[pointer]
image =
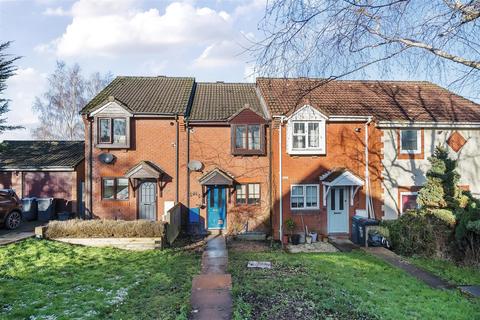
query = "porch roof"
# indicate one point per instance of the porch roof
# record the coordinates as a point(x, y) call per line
point(341, 177)
point(216, 177)
point(144, 170)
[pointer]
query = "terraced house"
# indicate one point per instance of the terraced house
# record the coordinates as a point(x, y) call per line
point(314, 151)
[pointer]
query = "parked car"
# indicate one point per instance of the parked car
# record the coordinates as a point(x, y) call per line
point(10, 209)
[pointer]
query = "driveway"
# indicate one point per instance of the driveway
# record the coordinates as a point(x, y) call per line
point(26, 230)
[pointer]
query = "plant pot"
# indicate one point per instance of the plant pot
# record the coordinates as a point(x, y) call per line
point(285, 239)
point(295, 238)
point(314, 236)
point(308, 239)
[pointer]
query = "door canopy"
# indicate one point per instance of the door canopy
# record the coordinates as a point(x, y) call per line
point(341, 178)
point(145, 170)
point(216, 177)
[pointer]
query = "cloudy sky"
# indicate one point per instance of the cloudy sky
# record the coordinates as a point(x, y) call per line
point(205, 39)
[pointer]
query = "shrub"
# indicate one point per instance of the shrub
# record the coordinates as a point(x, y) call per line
point(421, 232)
point(105, 229)
point(240, 215)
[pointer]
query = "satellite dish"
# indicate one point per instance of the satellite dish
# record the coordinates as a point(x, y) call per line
point(106, 158)
point(195, 165)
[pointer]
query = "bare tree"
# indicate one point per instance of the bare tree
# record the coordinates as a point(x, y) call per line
point(59, 107)
point(336, 38)
point(7, 69)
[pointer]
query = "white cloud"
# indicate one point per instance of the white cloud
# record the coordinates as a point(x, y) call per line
point(219, 54)
point(113, 28)
point(22, 90)
point(58, 11)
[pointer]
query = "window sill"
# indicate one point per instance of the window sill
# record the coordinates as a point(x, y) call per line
point(112, 146)
point(307, 152)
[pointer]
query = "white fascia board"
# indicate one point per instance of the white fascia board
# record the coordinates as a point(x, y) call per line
point(425, 124)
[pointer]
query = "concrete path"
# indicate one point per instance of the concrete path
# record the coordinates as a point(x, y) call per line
point(397, 261)
point(211, 297)
point(342, 244)
point(25, 231)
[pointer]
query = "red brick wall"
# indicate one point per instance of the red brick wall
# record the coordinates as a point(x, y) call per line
point(153, 139)
point(344, 148)
point(211, 146)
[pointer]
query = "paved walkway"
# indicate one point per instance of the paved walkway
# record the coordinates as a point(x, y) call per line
point(211, 297)
point(26, 230)
point(397, 261)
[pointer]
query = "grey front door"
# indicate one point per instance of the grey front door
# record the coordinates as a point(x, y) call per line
point(147, 201)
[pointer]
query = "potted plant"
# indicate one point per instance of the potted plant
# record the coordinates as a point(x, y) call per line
point(291, 225)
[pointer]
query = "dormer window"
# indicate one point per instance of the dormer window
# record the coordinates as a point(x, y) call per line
point(112, 132)
point(306, 135)
point(248, 139)
point(248, 133)
point(306, 132)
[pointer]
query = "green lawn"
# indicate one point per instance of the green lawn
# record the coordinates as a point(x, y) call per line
point(337, 286)
point(40, 279)
point(449, 271)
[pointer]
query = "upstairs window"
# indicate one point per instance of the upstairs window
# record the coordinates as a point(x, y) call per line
point(248, 139)
point(247, 193)
point(410, 141)
point(306, 135)
point(112, 132)
point(115, 188)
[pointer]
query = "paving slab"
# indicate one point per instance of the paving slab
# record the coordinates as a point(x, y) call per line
point(211, 296)
point(471, 290)
point(343, 245)
point(397, 261)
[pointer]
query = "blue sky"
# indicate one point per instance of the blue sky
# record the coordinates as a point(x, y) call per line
point(205, 39)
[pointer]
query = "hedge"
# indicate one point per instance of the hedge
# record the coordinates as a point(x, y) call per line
point(105, 229)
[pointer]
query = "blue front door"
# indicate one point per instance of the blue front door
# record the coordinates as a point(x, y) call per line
point(216, 207)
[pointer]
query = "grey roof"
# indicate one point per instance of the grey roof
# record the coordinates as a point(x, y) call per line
point(40, 155)
point(157, 95)
point(219, 101)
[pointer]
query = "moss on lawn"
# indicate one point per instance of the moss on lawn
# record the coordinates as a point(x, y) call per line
point(41, 278)
point(337, 286)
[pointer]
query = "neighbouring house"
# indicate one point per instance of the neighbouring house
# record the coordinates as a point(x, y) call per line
point(315, 151)
point(228, 130)
point(320, 169)
point(135, 147)
point(44, 169)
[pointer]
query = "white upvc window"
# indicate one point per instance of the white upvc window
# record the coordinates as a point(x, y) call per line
point(410, 141)
point(304, 196)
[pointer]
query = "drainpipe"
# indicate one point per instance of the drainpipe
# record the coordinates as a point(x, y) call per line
point(270, 176)
point(90, 167)
point(176, 158)
point(368, 201)
point(280, 174)
point(187, 127)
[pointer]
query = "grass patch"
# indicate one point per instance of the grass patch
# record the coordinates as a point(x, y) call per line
point(337, 286)
point(42, 279)
point(449, 271)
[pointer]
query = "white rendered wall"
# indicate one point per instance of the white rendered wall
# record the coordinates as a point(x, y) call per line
point(411, 172)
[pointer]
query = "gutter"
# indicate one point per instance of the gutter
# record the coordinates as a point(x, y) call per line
point(280, 174)
point(426, 124)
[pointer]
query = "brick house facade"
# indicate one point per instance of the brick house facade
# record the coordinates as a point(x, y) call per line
point(314, 151)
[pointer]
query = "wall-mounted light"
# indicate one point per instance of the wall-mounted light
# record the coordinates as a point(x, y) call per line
point(358, 129)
